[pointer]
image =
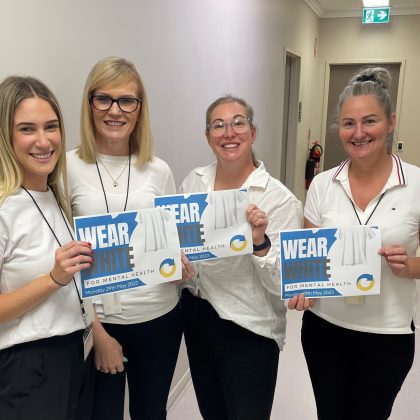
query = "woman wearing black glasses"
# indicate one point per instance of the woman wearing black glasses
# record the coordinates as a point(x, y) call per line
point(137, 333)
point(234, 320)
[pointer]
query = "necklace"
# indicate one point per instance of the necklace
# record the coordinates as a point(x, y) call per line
point(128, 180)
point(114, 180)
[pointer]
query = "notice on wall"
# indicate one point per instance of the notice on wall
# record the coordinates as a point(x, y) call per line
point(131, 249)
point(330, 262)
point(210, 225)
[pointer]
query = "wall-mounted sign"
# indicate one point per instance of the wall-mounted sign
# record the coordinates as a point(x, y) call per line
point(376, 14)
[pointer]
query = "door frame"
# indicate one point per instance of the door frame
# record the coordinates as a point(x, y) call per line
point(362, 62)
point(292, 122)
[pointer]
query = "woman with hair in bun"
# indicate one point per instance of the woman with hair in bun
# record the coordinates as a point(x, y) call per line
point(360, 351)
point(234, 319)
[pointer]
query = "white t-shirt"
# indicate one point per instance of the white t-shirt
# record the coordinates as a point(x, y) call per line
point(398, 215)
point(87, 198)
point(246, 289)
point(27, 251)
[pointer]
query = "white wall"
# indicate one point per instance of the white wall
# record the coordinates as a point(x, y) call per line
point(189, 52)
point(346, 39)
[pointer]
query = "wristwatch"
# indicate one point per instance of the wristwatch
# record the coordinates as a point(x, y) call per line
point(264, 245)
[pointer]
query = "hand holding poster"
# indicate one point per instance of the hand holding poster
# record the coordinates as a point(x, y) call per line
point(130, 249)
point(330, 262)
point(211, 225)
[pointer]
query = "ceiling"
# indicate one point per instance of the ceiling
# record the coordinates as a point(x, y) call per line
point(351, 8)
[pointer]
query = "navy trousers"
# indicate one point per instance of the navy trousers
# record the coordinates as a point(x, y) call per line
point(355, 375)
point(234, 371)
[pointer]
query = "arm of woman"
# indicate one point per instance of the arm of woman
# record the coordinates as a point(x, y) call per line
point(69, 259)
point(281, 212)
point(108, 351)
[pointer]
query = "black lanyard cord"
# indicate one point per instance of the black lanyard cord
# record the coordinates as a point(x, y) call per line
point(371, 214)
point(82, 306)
point(128, 182)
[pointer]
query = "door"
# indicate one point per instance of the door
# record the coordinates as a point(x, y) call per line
point(340, 74)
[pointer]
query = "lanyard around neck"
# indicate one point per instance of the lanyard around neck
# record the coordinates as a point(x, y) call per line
point(82, 306)
point(128, 182)
point(371, 214)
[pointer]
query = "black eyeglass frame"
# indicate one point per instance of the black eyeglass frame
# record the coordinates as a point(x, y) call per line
point(117, 100)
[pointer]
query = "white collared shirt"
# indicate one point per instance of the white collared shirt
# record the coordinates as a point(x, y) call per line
point(398, 215)
point(246, 289)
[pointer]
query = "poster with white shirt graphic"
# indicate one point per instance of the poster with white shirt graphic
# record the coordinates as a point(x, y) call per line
point(130, 249)
point(330, 262)
point(211, 225)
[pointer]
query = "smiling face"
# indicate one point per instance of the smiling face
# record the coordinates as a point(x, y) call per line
point(231, 147)
point(36, 141)
point(363, 127)
point(113, 127)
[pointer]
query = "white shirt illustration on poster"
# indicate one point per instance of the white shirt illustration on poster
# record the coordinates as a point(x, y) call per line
point(152, 227)
point(353, 244)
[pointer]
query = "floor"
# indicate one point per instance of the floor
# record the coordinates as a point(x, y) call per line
point(294, 399)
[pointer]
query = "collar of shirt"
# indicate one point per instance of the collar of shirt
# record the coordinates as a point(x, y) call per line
point(397, 177)
point(258, 178)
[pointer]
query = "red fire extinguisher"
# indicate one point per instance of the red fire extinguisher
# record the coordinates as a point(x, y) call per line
point(312, 164)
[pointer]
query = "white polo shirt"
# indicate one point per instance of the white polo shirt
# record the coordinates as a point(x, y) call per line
point(246, 289)
point(329, 204)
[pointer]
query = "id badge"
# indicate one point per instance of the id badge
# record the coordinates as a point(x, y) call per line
point(112, 304)
point(87, 341)
point(354, 300)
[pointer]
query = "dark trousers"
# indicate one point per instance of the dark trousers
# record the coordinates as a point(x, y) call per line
point(46, 379)
point(355, 375)
point(152, 350)
point(234, 371)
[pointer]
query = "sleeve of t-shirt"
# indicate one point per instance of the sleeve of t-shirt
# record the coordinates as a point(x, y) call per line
point(169, 187)
point(3, 240)
point(311, 211)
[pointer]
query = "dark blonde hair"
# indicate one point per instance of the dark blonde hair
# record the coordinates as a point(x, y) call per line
point(13, 91)
point(228, 99)
point(117, 72)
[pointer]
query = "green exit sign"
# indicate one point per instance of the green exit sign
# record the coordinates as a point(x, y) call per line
point(376, 14)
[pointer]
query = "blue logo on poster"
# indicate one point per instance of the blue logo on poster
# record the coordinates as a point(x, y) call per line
point(167, 267)
point(365, 282)
point(238, 243)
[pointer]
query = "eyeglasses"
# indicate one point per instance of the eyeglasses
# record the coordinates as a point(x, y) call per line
point(105, 102)
point(239, 125)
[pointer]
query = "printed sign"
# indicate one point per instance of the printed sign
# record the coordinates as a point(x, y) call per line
point(211, 225)
point(330, 262)
point(131, 249)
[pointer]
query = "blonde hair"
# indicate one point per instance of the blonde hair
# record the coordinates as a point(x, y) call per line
point(13, 91)
point(117, 72)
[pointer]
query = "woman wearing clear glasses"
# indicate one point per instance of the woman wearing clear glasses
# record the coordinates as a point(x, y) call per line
point(137, 333)
point(234, 320)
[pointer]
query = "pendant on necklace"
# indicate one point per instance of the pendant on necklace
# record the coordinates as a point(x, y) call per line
point(115, 184)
